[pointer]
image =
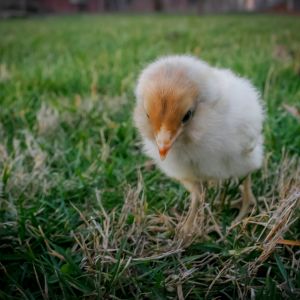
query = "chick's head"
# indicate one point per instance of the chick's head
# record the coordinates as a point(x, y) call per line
point(168, 102)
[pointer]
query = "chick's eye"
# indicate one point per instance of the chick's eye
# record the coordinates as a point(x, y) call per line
point(147, 116)
point(186, 117)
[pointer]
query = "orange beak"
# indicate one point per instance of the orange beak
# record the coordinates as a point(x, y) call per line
point(164, 142)
point(163, 152)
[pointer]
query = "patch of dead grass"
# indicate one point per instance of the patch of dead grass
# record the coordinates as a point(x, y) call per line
point(137, 234)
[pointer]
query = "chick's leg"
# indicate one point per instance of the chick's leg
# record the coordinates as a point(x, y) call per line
point(187, 228)
point(191, 215)
point(247, 199)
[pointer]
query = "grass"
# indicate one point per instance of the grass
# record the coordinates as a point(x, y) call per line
point(82, 212)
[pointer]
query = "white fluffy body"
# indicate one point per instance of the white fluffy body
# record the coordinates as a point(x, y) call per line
point(224, 137)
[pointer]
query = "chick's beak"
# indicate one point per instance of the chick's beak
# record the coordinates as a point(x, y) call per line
point(163, 152)
point(164, 143)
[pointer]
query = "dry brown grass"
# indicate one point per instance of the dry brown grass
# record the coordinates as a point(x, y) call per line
point(137, 234)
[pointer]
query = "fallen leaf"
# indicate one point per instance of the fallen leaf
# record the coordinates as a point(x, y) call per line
point(288, 242)
point(292, 110)
point(281, 52)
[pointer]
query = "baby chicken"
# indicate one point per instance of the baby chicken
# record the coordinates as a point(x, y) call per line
point(199, 123)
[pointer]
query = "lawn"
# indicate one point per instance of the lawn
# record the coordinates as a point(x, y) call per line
point(83, 214)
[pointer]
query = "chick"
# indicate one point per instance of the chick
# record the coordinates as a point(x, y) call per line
point(199, 123)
